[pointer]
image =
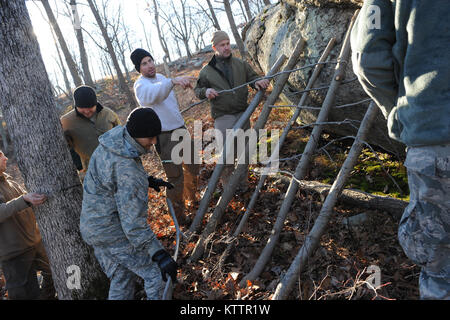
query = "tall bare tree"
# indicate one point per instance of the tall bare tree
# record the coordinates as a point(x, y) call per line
point(69, 60)
point(162, 40)
point(79, 34)
point(43, 157)
point(210, 13)
point(122, 83)
point(247, 9)
point(179, 22)
point(234, 29)
point(119, 39)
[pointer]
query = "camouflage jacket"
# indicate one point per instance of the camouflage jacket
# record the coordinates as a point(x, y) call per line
point(115, 197)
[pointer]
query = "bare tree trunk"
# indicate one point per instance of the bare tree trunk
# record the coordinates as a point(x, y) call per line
point(147, 42)
point(122, 83)
point(60, 63)
point(121, 50)
point(243, 11)
point(162, 41)
point(267, 2)
point(237, 37)
point(213, 15)
point(43, 156)
point(69, 60)
point(83, 56)
point(247, 9)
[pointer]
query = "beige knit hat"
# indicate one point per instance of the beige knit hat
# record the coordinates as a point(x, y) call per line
point(219, 36)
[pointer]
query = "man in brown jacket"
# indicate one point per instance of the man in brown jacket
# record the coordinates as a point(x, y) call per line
point(226, 72)
point(21, 249)
point(86, 122)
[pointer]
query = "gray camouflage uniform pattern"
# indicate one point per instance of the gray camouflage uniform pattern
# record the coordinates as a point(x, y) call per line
point(114, 215)
point(425, 225)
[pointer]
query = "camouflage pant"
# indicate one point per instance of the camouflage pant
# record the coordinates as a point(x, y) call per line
point(424, 228)
point(123, 267)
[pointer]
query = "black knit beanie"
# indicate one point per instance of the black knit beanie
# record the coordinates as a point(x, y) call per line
point(137, 56)
point(143, 122)
point(84, 97)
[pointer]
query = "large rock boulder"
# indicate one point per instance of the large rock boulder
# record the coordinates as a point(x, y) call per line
point(276, 31)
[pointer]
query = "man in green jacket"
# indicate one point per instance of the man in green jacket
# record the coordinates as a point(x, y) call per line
point(21, 249)
point(401, 56)
point(86, 122)
point(226, 72)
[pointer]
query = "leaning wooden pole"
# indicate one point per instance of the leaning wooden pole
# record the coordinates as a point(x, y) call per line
point(305, 160)
point(313, 238)
point(263, 177)
point(260, 123)
point(203, 206)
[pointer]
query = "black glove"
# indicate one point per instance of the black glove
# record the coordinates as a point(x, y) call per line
point(156, 183)
point(166, 264)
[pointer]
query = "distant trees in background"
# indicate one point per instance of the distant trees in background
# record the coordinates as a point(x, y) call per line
point(103, 39)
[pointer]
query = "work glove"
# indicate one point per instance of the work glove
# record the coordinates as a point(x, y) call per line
point(156, 183)
point(166, 264)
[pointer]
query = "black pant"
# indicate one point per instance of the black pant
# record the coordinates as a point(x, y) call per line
point(21, 278)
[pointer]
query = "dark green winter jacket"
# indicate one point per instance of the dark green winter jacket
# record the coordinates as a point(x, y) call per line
point(212, 77)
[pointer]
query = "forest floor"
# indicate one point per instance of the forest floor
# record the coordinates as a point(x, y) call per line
point(337, 270)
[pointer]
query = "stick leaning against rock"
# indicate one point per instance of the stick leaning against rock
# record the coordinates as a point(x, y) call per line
point(241, 168)
point(263, 176)
point(305, 160)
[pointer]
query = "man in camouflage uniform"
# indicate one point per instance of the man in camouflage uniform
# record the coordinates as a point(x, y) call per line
point(401, 57)
point(114, 212)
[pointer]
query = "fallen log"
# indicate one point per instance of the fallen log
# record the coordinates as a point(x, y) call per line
point(354, 197)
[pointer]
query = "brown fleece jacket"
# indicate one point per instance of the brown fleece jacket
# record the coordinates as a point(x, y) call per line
point(18, 229)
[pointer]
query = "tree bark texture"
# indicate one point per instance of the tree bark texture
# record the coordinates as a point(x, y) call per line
point(43, 156)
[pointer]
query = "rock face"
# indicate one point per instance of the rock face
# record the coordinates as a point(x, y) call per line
point(276, 31)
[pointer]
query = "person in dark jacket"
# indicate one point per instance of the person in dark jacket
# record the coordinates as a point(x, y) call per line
point(85, 123)
point(401, 56)
point(22, 253)
point(226, 72)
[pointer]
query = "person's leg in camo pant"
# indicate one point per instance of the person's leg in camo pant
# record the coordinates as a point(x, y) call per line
point(122, 268)
point(424, 230)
